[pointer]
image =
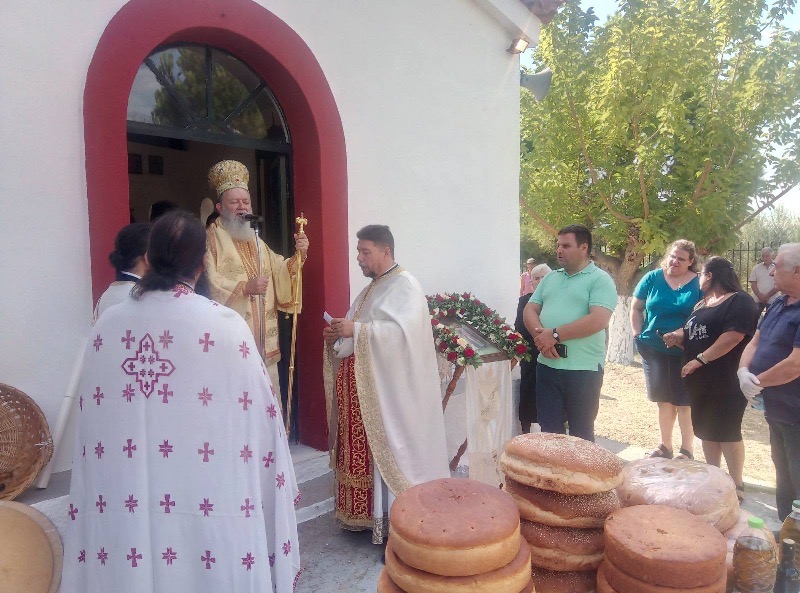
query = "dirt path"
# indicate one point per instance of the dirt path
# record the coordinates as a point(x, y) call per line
point(627, 416)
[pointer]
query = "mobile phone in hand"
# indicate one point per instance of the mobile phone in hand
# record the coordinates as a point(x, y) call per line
point(561, 349)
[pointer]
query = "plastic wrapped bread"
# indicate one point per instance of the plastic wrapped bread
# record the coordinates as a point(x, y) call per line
point(704, 490)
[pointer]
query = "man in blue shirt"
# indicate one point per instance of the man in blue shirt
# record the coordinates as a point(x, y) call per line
point(770, 365)
point(567, 315)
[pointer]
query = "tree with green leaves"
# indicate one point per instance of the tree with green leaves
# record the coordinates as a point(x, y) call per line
point(674, 119)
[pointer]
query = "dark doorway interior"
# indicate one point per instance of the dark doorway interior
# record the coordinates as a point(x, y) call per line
point(191, 106)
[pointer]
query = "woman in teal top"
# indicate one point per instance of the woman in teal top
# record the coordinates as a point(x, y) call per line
point(662, 302)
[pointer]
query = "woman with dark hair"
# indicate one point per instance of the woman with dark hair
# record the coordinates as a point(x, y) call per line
point(713, 339)
point(662, 301)
point(182, 478)
point(128, 261)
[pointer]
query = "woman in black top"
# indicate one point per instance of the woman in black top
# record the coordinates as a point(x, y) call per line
point(713, 339)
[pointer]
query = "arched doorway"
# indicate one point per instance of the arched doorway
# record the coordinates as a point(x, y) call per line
point(191, 106)
point(278, 55)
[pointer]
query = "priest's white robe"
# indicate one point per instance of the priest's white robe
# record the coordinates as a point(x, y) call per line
point(397, 381)
point(117, 291)
point(182, 479)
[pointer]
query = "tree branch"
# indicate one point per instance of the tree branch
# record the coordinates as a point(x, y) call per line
point(769, 202)
point(703, 176)
point(642, 183)
point(584, 150)
point(545, 225)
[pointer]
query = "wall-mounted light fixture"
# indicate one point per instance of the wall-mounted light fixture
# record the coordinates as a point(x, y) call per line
point(518, 46)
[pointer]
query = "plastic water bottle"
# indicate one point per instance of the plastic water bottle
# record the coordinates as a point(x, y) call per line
point(758, 403)
point(755, 559)
point(788, 579)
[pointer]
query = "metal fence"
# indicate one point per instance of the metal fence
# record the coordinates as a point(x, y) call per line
point(744, 257)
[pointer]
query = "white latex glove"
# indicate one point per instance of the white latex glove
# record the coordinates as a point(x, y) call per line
point(748, 383)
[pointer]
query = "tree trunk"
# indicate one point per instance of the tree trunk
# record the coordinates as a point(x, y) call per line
point(620, 336)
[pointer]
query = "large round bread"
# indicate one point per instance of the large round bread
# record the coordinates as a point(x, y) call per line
point(27, 550)
point(455, 527)
point(563, 548)
point(621, 581)
point(703, 490)
point(665, 546)
point(562, 510)
point(387, 585)
point(561, 463)
point(548, 581)
point(510, 578)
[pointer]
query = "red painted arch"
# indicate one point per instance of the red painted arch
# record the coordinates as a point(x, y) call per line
point(277, 54)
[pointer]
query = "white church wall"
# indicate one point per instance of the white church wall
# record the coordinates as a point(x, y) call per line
point(429, 100)
point(429, 103)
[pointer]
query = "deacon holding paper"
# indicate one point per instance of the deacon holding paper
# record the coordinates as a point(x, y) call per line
point(382, 390)
point(244, 275)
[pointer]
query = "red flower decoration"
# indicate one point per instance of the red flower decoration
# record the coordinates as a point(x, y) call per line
point(498, 322)
point(454, 297)
point(469, 352)
point(439, 298)
point(521, 349)
point(451, 356)
point(443, 346)
point(465, 295)
point(434, 322)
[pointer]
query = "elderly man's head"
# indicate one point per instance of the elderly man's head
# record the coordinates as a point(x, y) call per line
point(786, 270)
point(767, 256)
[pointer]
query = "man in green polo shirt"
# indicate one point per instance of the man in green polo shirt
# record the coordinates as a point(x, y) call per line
point(570, 309)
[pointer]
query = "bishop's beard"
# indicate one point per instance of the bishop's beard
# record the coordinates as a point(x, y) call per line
point(238, 228)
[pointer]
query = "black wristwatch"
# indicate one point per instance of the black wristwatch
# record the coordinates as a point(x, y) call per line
point(555, 335)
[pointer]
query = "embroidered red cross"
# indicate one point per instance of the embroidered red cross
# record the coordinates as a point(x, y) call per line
point(100, 504)
point(205, 396)
point(133, 557)
point(165, 393)
point(131, 503)
point(165, 339)
point(129, 448)
point(247, 507)
point(245, 453)
point(99, 450)
point(244, 349)
point(205, 452)
point(98, 341)
point(208, 559)
point(73, 510)
point(248, 560)
point(127, 339)
point(244, 400)
point(167, 503)
point(206, 341)
point(128, 392)
point(169, 555)
point(206, 507)
point(102, 556)
point(165, 448)
point(82, 556)
point(98, 395)
point(268, 459)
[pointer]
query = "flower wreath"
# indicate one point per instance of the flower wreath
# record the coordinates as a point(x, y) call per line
point(467, 308)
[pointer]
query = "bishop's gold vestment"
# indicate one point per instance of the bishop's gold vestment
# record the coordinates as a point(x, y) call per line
point(229, 265)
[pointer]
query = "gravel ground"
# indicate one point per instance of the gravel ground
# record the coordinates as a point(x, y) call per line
point(627, 416)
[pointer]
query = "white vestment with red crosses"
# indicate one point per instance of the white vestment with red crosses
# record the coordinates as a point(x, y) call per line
point(182, 479)
point(395, 384)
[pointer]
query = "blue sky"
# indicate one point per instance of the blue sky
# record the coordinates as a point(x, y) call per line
point(603, 8)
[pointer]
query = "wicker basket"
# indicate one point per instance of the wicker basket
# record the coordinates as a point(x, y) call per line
point(25, 442)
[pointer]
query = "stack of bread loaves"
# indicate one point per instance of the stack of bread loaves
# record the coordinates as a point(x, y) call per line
point(455, 535)
point(659, 549)
point(564, 488)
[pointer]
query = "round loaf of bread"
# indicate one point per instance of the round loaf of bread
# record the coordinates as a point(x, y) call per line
point(620, 581)
point(664, 546)
point(703, 490)
point(455, 527)
point(603, 586)
point(27, 558)
point(387, 585)
point(563, 548)
point(561, 463)
point(562, 510)
point(548, 581)
point(511, 578)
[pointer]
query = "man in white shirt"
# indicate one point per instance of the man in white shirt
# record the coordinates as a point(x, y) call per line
point(761, 283)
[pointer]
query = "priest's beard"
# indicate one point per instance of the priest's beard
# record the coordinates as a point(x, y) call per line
point(237, 228)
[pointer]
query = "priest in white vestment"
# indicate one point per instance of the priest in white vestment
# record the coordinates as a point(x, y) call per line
point(382, 389)
point(129, 264)
point(182, 481)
